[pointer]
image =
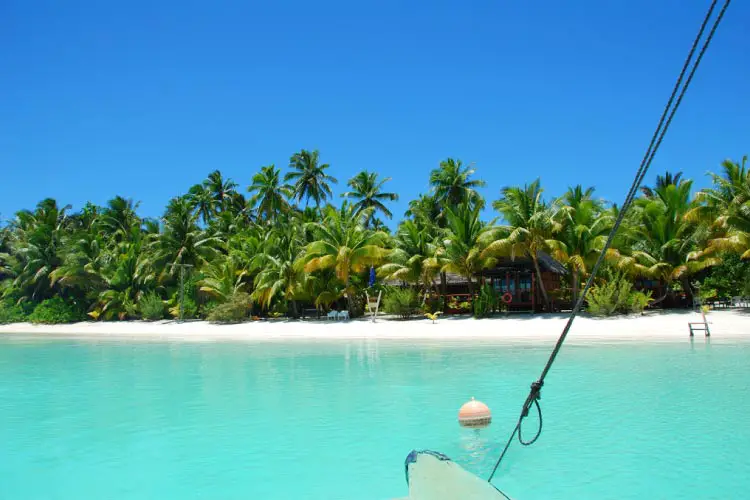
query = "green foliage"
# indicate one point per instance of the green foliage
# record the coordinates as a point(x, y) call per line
point(152, 307)
point(190, 308)
point(486, 302)
point(616, 296)
point(731, 278)
point(234, 310)
point(462, 306)
point(402, 302)
point(109, 261)
point(55, 311)
point(433, 304)
point(11, 312)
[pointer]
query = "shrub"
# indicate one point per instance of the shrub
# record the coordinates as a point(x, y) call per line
point(55, 311)
point(637, 301)
point(190, 308)
point(463, 306)
point(11, 312)
point(152, 307)
point(616, 296)
point(402, 302)
point(433, 304)
point(486, 302)
point(232, 311)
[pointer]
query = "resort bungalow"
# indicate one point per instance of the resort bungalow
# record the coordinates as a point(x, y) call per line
point(517, 279)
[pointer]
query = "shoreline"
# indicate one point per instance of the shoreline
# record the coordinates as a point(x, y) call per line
point(730, 325)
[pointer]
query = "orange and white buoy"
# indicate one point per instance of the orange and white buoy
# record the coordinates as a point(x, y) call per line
point(474, 414)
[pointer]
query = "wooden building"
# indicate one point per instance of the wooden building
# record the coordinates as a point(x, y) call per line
point(518, 279)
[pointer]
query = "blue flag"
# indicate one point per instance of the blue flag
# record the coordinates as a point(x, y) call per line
point(372, 276)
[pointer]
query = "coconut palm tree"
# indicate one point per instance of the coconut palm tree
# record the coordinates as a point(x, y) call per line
point(367, 190)
point(84, 260)
point(530, 226)
point(452, 184)
point(37, 247)
point(583, 230)
point(661, 182)
point(119, 218)
point(310, 177)
point(182, 241)
point(269, 195)
point(223, 191)
point(725, 208)
point(203, 202)
point(342, 243)
point(281, 275)
point(222, 279)
point(466, 238)
point(663, 240)
point(128, 276)
point(414, 258)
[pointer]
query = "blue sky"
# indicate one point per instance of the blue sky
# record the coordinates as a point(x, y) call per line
point(143, 99)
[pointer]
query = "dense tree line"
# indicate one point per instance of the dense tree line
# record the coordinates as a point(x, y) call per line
point(285, 243)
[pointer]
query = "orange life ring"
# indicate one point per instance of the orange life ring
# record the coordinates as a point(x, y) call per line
point(507, 298)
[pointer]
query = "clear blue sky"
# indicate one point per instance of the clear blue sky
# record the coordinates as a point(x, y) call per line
point(143, 99)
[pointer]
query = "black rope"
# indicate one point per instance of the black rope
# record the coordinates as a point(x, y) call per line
point(656, 140)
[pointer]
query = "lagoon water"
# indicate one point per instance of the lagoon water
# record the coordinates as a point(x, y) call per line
point(84, 419)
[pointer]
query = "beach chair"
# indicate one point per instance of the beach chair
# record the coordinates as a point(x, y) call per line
point(343, 315)
point(333, 314)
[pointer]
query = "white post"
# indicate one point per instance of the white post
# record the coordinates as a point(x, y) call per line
point(377, 306)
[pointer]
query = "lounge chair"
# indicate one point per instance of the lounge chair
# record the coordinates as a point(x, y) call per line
point(333, 314)
point(344, 315)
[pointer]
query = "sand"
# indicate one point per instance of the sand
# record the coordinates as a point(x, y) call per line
point(541, 328)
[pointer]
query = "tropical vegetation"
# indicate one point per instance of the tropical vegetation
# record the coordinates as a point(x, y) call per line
point(290, 248)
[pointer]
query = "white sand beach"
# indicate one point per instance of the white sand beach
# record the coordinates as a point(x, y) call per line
point(544, 328)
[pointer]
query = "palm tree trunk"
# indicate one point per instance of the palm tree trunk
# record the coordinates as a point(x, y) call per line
point(576, 279)
point(471, 286)
point(688, 289)
point(349, 299)
point(443, 289)
point(540, 282)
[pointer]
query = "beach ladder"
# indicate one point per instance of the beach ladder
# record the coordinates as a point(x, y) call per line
point(700, 326)
point(373, 304)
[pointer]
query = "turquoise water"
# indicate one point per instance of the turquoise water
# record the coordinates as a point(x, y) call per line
point(115, 420)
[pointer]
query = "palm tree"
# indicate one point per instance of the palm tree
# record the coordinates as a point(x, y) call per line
point(280, 273)
point(38, 244)
point(661, 182)
point(222, 191)
point(530, 225)
point(85, 259)
point(663, 240)
point(310, 178)
point(223, 279)
point(582, 232)
point(119, 218)
point(452, 184)
point(414, 259)
point(269, 195)
point(466, 239)
point(725, 208)
point(344, 244)
point(367, 191)
point(6, 264)
point(182, 241)
point(128, 276)
point(203, 202)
